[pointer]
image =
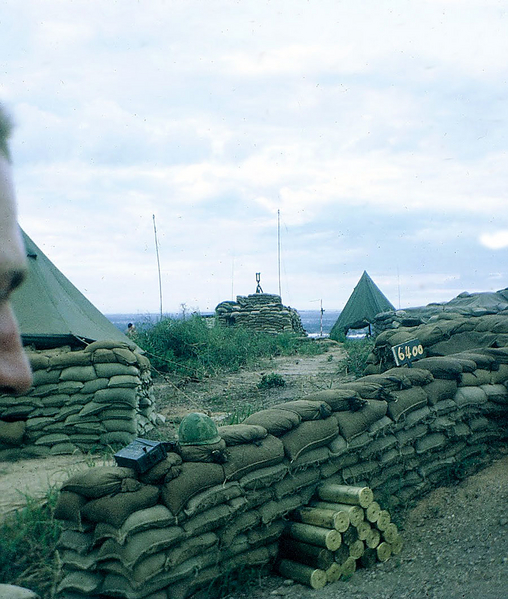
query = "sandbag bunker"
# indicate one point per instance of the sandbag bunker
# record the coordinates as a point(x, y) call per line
point(80, 401)
point(210, 509)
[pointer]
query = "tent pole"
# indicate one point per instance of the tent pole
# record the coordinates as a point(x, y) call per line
point(158, 264)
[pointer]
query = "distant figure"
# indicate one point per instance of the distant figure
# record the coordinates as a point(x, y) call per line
point(131, 329)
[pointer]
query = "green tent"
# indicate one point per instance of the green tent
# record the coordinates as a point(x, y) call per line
point(364, 303)
point(51, 312)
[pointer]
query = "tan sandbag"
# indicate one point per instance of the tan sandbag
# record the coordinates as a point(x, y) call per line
point(194, 478)
point(12, 433)
point(242, 459)
point(276, 422)
point(98, 481)
point(309, 435)
point(117, 508)
point(306, 409)
point(236, 434)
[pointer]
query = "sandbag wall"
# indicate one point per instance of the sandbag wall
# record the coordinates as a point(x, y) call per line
point(190, 520)
point(442, 334)
point(80, 400)
point(260, 312)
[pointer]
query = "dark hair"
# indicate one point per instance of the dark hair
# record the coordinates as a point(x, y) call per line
point(5, 132)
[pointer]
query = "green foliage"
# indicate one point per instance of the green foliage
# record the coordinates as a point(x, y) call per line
point(190, 347)
point(27, 546)
point(269, 381)
point(358, 350)
point(240, 412)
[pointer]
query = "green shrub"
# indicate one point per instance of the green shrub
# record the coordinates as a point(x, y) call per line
point(269, 381)
point(190, 347)
point(358, 350)
point(27, 546)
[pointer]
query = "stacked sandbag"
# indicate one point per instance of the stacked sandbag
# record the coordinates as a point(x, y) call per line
point(209, 510)
point(260, 312)
point(443, 334)
point(342, 528)
point(80, 401)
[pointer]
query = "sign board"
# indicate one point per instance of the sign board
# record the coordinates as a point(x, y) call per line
point(405, 353)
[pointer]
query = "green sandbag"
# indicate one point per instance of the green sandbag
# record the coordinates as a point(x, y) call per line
point(465, 341)
point(354, 423)
point(392, 380)
point(108, 344)
point(194, 478)
point(211, 452)
point(440, 389)
point(236, 434)
point(292, 484)
point(367, 390)
point(99, 481)
point(276, 422)
point(442, 367)
point(416, 376)
point(238, 525)
point(150, 518)
point(68, 506)
point(116, 396)
point(86, 583)
point(37, 360)
point(211, 497)
point(190, 548)
point(406, 401)
point(117, 508)
point(106, 370)
point(242, 459)
point(309, 435)
point(338, 399)
point(45, 377)
point(78, 373)
point(496, 393)
point(430, 442)
point(212, 519)
point(12, 433)
point(470, 397)
point(261, 478)
point(476, 378)
point(306, 409)
point(167, 469)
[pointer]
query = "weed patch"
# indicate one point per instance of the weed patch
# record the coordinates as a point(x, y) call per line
point(358, 351)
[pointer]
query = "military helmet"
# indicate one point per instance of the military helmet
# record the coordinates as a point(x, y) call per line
point(198, 429)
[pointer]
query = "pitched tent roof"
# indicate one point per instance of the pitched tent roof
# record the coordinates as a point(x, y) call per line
point(52, 312)
point(364, 303)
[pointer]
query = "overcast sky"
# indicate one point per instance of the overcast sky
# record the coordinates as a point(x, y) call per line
point(377, 129)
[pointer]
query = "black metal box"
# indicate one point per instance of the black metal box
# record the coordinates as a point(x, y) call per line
point(141, 454)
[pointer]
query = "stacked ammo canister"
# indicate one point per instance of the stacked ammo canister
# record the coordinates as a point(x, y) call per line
point(343, 527)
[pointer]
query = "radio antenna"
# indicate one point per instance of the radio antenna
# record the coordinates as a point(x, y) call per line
point(158, 263)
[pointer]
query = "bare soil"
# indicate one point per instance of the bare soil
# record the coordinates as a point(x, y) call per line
point(455, 538)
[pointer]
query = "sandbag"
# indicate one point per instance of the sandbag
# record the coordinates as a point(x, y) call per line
point(354, 423)
point(68, 506)
point(406, 401)
point(150, 518)
point(211, 497)
point(12, 433)
point(476, 378)
point(212, 519)
point(236, 434)
point(309, 435)
point(194, 478)
point(276, 422)
point(462, 342)
point(442, 367)
point(470, 397)
point(496, 393)
point(210, 453)
point(263, 477)
point(307, 409)
point(99, 481)
point(167, 469)
point(367, 390)
point(338, 399)
point(242, 459)
point(440, 389)
point(117, 508)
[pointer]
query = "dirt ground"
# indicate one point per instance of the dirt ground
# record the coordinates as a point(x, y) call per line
point(455, 538)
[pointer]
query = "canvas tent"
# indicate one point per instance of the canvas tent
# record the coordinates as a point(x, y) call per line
point(364, 303)
point(52, 312)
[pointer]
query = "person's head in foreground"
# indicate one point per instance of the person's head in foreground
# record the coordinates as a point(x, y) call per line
point(15, 375)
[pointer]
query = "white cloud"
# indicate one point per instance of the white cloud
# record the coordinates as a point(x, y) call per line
point(496, 240)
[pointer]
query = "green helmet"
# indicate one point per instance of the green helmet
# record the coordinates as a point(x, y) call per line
point(198, 429)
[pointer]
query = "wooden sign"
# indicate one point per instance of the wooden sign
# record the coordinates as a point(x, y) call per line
point(408, 352)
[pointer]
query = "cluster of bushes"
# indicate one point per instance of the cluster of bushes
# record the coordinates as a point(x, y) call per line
point(190, 347)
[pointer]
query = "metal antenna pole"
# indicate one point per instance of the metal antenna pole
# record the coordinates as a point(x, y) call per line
point(278, 248)
point(158, 263)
